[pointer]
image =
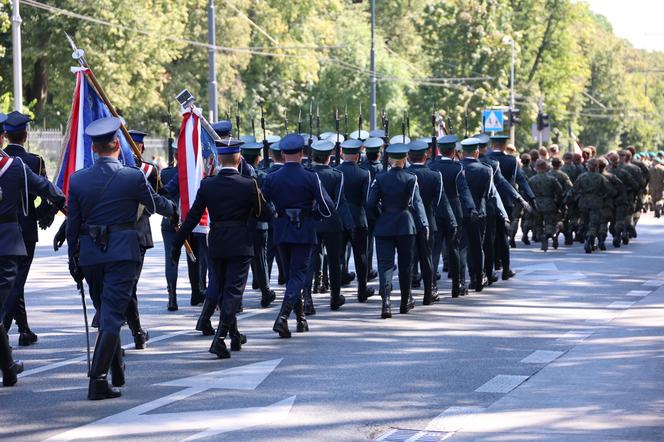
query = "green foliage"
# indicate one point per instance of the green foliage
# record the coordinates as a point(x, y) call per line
point(283, 55)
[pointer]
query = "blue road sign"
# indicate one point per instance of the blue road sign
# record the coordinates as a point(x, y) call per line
point(493, 120)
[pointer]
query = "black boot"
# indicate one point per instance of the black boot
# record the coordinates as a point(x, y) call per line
point(588, 246)
point(309, 308)
point(513, 240)
point(363, 296)
point(26, 337)
point(625, 236)
point(281, 324)
point(317, 281)
point(204, 323)
point(105, 349)
point(407, 303)
point(118, 367)
point(300, 316)
point(325, 284)
point(616, 240)
point(554, 241)
point(336, 301)
point(456, 287)
point(524, 237)
point(373, 274)
point(347, 278)
point(478, 283)
point(237, 338)
point(218, 346)
point(172, 299)
point(141, 336)
point(600, 242)
point(545, 243)
point(417, 279)
point(9, 367)
point(197, 298)
point(267, 297)
point(569, 239)
point(386, 312)
point(507, 274)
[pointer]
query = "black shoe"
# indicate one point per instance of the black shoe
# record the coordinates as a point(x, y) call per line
point(281, 324)
point(347, 278)
point(456, 289)
point(317, 282)
point(337, 301)
point(513, 242)
point(616, 242)
point(267, 298)
point(554, 242)
point(204, 323)
point(10, 368)
point(218, 346)
point(569, 240)
point(431, 298)
point(105, 350)
point(507, 274)
point(498, 265)
point(237, 338)
point(632, 232)
point(10, 374)
point(372, 275)
point(601, 243)
point(141, 337)
point(309, 308)
point(386, 311)
point(445, 268)
point(301, 318)
point(657, 212)
point(368, 293)
point(197, 299)
point(437, 276)
point(525, 240)
point(588, 246)
point(406, 305)
point(479, 284)
point(491, 278)
point(172, 301)
point(415, 283)
point(545, 243)
point(26, 338)
point(625, 238)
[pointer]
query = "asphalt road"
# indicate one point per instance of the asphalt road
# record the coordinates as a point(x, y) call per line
point(570, 349)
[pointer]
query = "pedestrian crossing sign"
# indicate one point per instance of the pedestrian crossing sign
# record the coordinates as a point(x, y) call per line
point(492, 120)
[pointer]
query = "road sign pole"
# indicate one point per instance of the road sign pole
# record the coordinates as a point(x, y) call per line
point(373, 108)
point(212, 40)
point(16, 49)
point(512, 93)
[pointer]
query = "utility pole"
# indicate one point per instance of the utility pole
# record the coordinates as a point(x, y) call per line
point(212, 55)
point(372, 110)
point(16, 47)
point(512, 92)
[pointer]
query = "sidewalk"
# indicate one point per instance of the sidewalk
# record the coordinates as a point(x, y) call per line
point(610, 387)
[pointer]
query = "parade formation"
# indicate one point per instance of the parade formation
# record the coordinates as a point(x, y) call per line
point(448, 208)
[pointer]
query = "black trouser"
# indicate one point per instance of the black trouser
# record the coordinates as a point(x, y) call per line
point(330, 242)
point(132, 313)
point(8, 271)
point(488, 244)
point(259, 262)
point(472, 255)
point(358, 240)
point(370, 244)
point(15, 303)
point(502, 244)
point(447, 244)
point(272, 254)
point(198, 270)
point(422, 253)
point(231, 274)
point(385, 248)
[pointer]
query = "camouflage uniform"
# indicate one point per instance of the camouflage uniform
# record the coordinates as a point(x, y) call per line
point(624, 212)
point(548, 195)
point(566, 184)
point(613, 211)
point(573, 171)
point(640, 197)
point(635, 200)
point(519, 213)
point(590, 189)
point(656, 186)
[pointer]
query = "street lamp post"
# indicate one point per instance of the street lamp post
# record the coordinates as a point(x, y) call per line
point(16, 47)
point(510, 41)
point(373, 109)
point(212, 55)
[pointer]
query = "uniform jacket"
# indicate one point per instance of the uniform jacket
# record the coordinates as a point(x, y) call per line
point(590, 189)
point(509, 167)
point(478, 177)
point(548, 192)
point(294, 187)
point(373, 167)
point(356, 189)
point(260, 177)
point(434, 198)
point(232, 200)
point(571, 171)
point(143, 223)
point(617, 189)
point(12, 183)
point(36, 164)
point(455, 186)
point(656, 181)
point(402, 211)
point(117, 206)
point(502, 186)
point(333, 182)
point(170, 189)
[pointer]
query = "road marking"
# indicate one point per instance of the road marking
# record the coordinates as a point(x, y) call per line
point(541, 357)
point(638, 293)
point(653, 283)
point(546, 272)
point(454, 418)
point(502, 383)
point(209, 423)
point(621, 304)
point(574, 336)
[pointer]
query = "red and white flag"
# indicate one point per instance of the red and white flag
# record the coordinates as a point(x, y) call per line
point(191, 166)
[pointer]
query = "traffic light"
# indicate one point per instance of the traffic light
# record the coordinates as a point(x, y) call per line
point(514, 117)
point(542, 121)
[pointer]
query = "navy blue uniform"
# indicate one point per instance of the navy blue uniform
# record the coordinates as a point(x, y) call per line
point(272, 252)
point(259, 267)
point(374, 168)
point(168, 234)
point(435, 202)
point(447, 240)
point(231, 200)
point(401, 215)
point(110, 269)
point(356, 189)
point(15, 304)
point(298, 197)
point(478, 177)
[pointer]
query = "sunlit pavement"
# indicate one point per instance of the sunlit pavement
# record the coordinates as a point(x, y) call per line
point(570, 349)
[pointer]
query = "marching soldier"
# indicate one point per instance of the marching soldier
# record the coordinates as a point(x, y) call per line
point(644, 186)
point(103, 244)
point(272, 253)
point(328, 230)
point(623, 213)
point(372, 148)
point(589, 190)
point(463, 206)
point(613, 208)
point(356, 189)
point(656, 185)
point(479, 184)
point(14, 199)
point(251, 153)
point(401, 216)
point(430, 186)
point(16, 131)
point(548, 196)
point(168, 234)
point(638, 177)
point(293, 190)
point(232, 200)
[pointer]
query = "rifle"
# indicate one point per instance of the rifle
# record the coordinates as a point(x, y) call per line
point(337, 145)
point(266, 145)
point(346, 122)
point(386, 141)
point(318, 120)
point(359, 122)
point(237, 120)
point(403, 127)
point(253, 126)
point(434, 134)
point(311, 123)
point(407, 125)
point(299, 121)
point(81, 290)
